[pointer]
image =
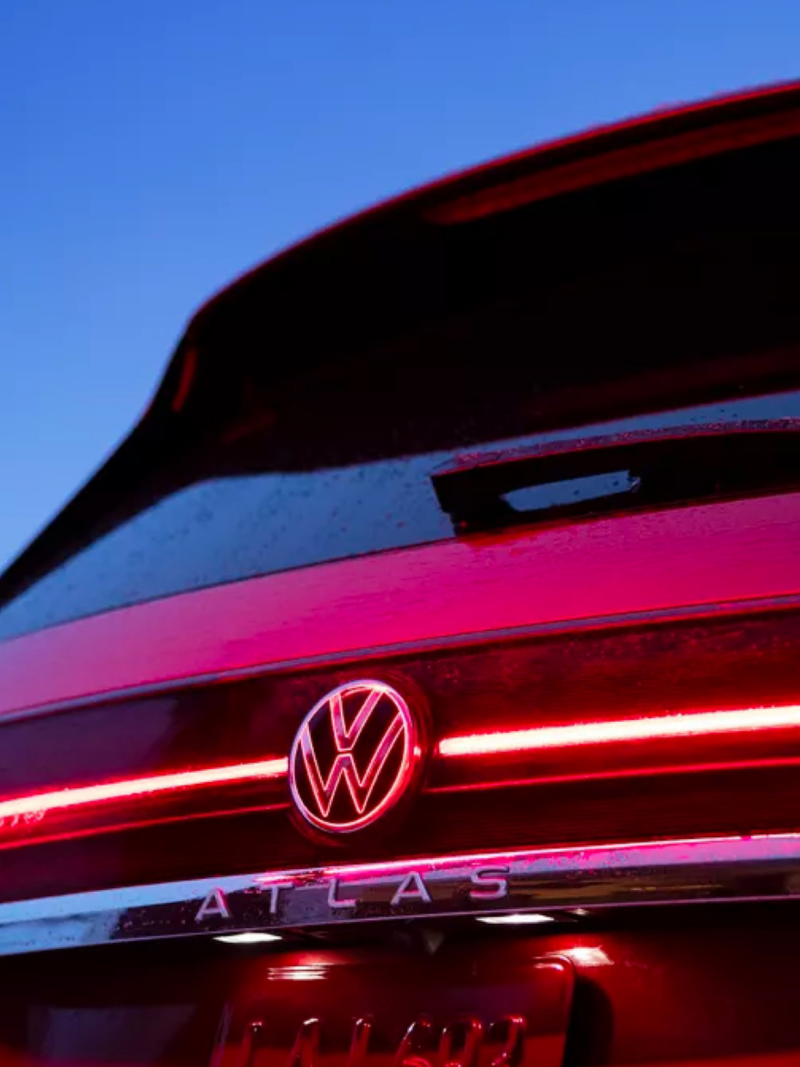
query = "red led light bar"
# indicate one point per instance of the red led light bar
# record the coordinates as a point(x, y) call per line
point(80, 796)
point(693, 724)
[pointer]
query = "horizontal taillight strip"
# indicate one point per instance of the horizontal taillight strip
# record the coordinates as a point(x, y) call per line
point(649, 728)
point(131, 788)
point(584, 736)
point(566, 882)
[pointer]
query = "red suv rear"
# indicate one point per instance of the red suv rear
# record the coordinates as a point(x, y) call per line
point(417, 684)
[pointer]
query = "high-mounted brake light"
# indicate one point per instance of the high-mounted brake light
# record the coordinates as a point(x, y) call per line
point(614, 161)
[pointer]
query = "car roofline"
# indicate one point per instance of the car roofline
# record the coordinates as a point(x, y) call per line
point(653, 141)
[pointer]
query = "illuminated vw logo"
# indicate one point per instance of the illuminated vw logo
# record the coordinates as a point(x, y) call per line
point(353, 756)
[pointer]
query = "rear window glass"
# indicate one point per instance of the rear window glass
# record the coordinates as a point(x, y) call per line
point(233, 528)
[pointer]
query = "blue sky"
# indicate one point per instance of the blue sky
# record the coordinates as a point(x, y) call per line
point(151, 150)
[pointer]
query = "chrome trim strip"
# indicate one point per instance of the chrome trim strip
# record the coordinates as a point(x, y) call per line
point(709, 869)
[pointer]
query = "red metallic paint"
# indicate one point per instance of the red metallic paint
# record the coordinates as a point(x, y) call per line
point(664, 990)
point(665, 561)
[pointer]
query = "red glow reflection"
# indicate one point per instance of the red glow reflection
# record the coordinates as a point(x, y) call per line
point(675, 850)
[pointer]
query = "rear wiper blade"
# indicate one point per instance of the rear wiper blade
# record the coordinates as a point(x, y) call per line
point(667, 465)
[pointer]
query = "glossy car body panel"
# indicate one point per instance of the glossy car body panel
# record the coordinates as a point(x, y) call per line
point(686, 558)
point(600, 624)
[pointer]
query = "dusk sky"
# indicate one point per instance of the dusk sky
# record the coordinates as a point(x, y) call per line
point(154, 149)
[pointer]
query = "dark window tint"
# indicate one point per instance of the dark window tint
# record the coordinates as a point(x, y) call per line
point(228, 529)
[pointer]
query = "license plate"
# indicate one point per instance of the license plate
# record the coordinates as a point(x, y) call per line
point(466, 1007)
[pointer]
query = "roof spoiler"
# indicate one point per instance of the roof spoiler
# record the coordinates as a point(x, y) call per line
point(207, 375)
